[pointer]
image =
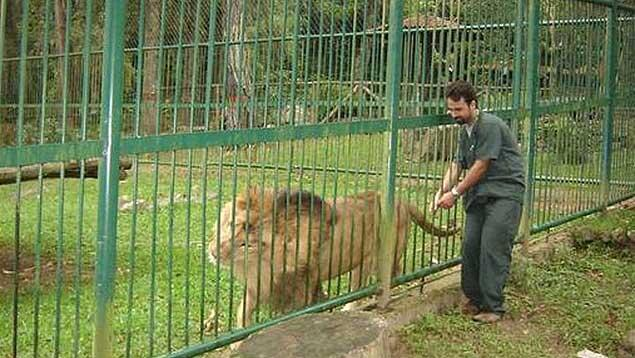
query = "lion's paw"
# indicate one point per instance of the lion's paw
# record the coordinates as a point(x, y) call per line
point(210, 323)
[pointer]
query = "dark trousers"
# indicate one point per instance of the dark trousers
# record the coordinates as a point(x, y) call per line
point(490, 228)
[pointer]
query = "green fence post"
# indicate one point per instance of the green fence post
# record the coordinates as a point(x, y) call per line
point(111, 106)
point(393, 83)
point(611, 72)
point(531, 104)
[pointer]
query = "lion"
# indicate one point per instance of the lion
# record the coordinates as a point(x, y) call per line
point(282, 245)
point(269, 239)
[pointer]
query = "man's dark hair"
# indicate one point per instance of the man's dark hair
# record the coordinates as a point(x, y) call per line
point(460, 89)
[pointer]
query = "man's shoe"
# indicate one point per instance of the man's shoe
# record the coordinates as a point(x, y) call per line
point(470, 309)
point(487, 317)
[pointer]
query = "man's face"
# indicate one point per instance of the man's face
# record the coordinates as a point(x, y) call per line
point(461, 111)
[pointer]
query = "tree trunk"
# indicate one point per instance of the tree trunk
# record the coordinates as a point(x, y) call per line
point(147, 121)
point(238, 82)
point(9, 83)
point(189, 32)
point(552, 16)
point(53, 170)
point(60, 33)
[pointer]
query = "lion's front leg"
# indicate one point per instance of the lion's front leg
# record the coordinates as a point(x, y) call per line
point(359, 277)
point(245, 310)
point(210, 323)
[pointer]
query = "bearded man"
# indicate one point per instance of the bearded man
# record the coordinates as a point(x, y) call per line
point(492, 191)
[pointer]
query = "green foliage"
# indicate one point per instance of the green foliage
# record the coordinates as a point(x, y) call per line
point(484, 12)
point(469, 12)
point(573, 139)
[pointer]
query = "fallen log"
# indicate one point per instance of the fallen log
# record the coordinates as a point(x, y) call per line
point(71, 169)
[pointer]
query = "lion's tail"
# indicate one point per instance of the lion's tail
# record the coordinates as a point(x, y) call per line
point(419, 218)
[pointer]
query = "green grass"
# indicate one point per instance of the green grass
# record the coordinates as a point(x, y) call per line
point(578, 299)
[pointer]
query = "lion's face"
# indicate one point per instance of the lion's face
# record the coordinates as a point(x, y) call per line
point(241, 233)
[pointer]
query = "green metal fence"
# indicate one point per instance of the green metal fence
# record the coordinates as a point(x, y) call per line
point(196, 101)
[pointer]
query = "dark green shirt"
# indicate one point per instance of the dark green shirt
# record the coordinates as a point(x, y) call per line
point(492, 139)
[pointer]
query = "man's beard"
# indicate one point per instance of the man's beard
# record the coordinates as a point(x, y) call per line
point(459, 120)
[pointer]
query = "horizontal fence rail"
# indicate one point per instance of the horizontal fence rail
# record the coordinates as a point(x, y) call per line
point(176, 175)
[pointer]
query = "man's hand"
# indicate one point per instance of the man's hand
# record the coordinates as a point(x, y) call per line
point(446, 201)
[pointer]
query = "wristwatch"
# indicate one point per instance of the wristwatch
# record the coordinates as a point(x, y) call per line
point(455, 193)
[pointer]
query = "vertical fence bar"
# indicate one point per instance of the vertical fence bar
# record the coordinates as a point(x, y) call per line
point(3, 19)
point(518, 62)
point(393, 81)
point(39, 231)
point(211, 25)
point(59, 250)
point(190, 158)
point(18, 185)
point(177, 96)
point(157, 113)
point(531, 104)
point(112, 98)
point(611, 72)
point(86, 57)
point(141, 27)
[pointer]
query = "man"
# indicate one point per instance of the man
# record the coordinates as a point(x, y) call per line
point(492, 191)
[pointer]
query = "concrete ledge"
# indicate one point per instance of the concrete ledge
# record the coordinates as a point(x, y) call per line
point(353, 334)
point(326, 335)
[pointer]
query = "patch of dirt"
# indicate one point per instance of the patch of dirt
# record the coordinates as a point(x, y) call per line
point(522, 328)
point(399, 347)
point(127, 205)
point(26, 272)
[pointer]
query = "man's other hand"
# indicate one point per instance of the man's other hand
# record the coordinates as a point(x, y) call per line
point(446, 201)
